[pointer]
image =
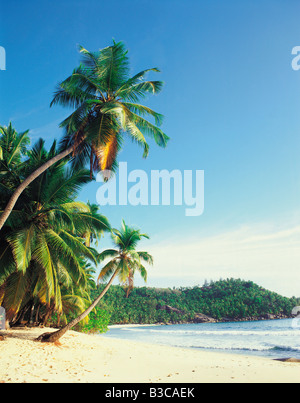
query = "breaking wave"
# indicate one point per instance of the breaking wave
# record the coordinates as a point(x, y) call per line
point(275, 339)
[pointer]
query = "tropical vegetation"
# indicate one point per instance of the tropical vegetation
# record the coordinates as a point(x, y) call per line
point(49, 240)
point(223, 300)
point(107, 107)
point(123, 263)
point(48, 237)
point(44, 246)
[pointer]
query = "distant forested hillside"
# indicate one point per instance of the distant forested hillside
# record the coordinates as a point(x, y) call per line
point(222, 300)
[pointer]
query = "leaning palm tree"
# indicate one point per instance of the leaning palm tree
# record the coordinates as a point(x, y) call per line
point(125, 262)
point(106, 101)
point(43, 242)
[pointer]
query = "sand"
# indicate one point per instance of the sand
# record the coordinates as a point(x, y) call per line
point(95, 359)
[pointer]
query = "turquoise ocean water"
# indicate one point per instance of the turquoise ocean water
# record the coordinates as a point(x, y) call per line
point(274, 339)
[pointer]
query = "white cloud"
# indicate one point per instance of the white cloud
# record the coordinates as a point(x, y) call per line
point(26, 114)
point(265, 254)
point(49, 130)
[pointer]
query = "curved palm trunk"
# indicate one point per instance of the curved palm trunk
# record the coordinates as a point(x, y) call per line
point(8, 209)
point(55, 336)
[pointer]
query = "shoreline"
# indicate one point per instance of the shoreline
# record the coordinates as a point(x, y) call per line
point(272, 352)
point(244, 320)
point(82, 358)
point(134, 325)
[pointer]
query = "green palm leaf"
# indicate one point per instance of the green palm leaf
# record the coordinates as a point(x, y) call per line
point(21, 243)
point(107, 104)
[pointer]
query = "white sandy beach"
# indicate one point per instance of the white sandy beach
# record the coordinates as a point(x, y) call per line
point(94, 359)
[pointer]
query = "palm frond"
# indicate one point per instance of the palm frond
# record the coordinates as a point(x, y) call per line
point(146, 257)
point(108, 152)
point(77, 244)
point(141, 90)
point(42, 256)
point(135, 79)
point(22, 244)
point(108, 270)
point(16, 291)
point(144, 111)
point(107, 254)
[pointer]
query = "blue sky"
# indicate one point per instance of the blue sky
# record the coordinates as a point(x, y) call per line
point(232, 108)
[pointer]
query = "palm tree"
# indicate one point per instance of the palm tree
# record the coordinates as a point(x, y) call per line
point(13, 146)
point(125, 259)
point(76, 295)
point(13, 150)
point(125, 262)
point(106, 102)
point(43, 242)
